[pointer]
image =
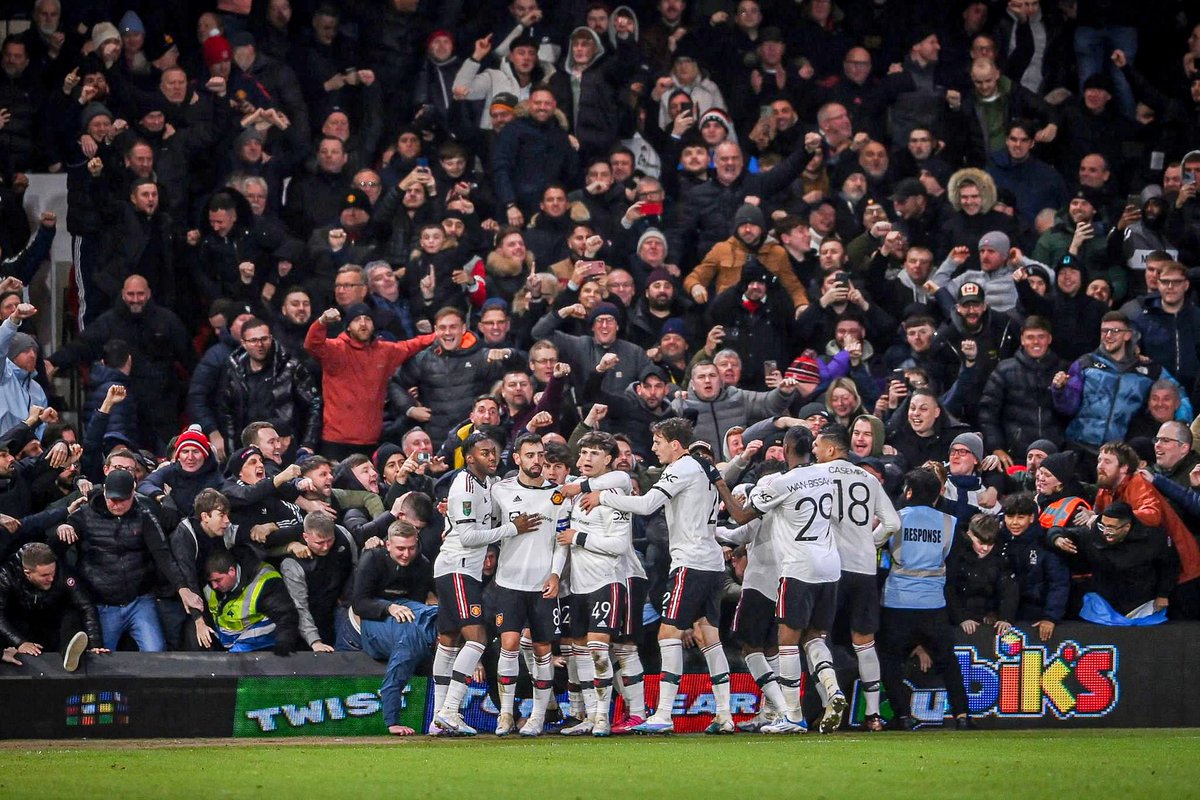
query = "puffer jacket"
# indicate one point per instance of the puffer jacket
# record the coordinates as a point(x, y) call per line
point(295, 399)
point(1172, 340)
point(448, 381)
point(1103, 396)
point(732, 406)
point(1016, 407)
point(122, 558)
point(23, 603)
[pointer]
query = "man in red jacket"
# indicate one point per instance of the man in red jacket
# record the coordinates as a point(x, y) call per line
point(355, 370)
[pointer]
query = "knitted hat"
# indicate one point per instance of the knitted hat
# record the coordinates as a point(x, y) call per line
point(601, 310)
point(995, 240)
point(770, 34)
point(1093, 196)
point(19, 344)
point(505, 100)
point(972, 441)
point(673, 325)
point(382, 454)
point(249, 134)
point(103, 32)
point(750, 214)
point(716, 115)
point(192, 437)
point(356, 310)
point(1060, 465)
point(241, 39)
point(1045, 445)
point(357, 200)
point(438, 34)
point(131, 23)
point(813, 410)
point(93, 110)
point(238, 460)
point(652, 233)
point(658, 274)
point(216, 50)
point(805, 370)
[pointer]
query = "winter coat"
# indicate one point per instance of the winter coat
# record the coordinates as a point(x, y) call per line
point(295, 399)
point(1076, 319)
point(595, 114)
point(977, 587)
point(1043, 579)
point(1036, 184)
point(484, 84)
point(1130, 573)
point(732, 406)
point(1016, 407)
point(25, 608)
point(1171, 340)
point(724, 262)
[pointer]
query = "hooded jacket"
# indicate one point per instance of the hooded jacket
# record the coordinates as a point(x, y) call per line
point(594, 113)
point(354, 381)
point(961, 229)
point(484, 84)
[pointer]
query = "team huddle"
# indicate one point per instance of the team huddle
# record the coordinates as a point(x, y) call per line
point(567, 573)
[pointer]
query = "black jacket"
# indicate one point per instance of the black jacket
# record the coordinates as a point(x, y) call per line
point(1016, 407)
point(295, 398)
point(25, 608)
point(1131, 573)
point(122, 558)
point(379, 581)
point(978, 587)
point(1042, 576)
point(448, 382)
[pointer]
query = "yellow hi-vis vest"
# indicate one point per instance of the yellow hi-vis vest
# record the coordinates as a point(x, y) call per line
point(240, 611)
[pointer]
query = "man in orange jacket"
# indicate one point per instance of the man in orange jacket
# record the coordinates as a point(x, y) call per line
point(1118, 481)
point(355, 369)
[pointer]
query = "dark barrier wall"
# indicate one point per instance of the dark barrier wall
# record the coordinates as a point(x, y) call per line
point(1085, 675)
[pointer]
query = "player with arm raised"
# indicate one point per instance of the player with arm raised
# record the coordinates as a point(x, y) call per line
point(527, 575)
point(458, 574)
point(796, 506)
point(863, 513)
point(599, 539)
point(697, 569)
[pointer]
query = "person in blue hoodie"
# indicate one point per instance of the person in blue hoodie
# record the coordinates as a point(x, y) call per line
point(914, 601)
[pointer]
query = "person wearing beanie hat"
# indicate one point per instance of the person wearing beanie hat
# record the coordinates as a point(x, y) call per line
point(193, 437)
point(603, 309)
point(997, 263)
point(658, 274)
point(1077, 232)
point(131, 23)
point(217, 51)
point(93, 110)
point(715, 127)
point(721, 268)
point(972, 442)
point(995, 240)
point(652, 233)
point(102, 33)
point(18, 390)
point(805, 370)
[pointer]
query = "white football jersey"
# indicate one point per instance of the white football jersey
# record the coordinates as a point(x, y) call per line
point(691, 510)
point(606, 535)
point(796, 507)
point(861, 505)
point(528, 559)
point(762, 568)
point(469, 527)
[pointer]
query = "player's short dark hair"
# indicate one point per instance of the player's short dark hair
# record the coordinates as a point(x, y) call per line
point(923, 487)
point(320, 524)
point(1019, 504)
point(483, 433)
point(771, 466)
point(674, 429)
point(210, 500)
point(837, 435)
point(524, 439)
point(985, 527)
point(599, 440)
point(219, 561)
point(557, 453)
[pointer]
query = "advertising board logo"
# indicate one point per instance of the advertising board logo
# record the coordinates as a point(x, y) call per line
point(1028, 680)
point(97, 708)
point(319, 706)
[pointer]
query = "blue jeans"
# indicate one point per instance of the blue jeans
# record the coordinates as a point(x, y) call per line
point(1093, 46)
point(139, 619)
point(404, 645)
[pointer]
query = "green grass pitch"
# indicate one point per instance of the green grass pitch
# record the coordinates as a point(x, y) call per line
point(1011, 764)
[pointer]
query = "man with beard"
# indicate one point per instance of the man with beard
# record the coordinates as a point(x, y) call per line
point(291, 326)
point(645, 318)
point(315, 199)
point(1079, 232)
point(671, 355)
point(726, 260)
point(973, 320)
point(355, 370)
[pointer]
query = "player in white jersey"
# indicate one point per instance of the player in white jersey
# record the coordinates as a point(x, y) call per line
point(527, 579)
point(697, 569)
point(457, 576)
point(599, 540)
point(796, 506)
point(865, 509)
point(754, 619)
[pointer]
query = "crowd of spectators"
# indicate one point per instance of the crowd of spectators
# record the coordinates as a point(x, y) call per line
point(316, 246)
